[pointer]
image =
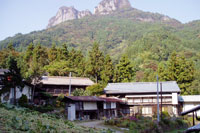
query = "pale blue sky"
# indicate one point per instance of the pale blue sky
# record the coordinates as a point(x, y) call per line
point(24, 16)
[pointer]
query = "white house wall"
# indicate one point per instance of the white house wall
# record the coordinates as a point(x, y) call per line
point(26, 91)
point(113, 105)
point(188, 106)
point(174, 98)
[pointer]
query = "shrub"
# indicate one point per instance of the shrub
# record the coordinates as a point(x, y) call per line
point(23, 100)
point(95, 89)
point(165, 114)
point(44, 109)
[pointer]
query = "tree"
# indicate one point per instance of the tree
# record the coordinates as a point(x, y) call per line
point(5, 53)
point(180, 70)
point(12, 78)
point(58, 68)
point(77, 62)
point(36, 69)
point(63, 52)
point(95, 63)
point(124, 70)
point(53, 53)
point(108, 71)
point(81, 92)
point(95, 90)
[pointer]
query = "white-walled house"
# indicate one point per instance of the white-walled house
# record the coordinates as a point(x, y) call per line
point(9, 96)
point(188, 102)
point(141, 97)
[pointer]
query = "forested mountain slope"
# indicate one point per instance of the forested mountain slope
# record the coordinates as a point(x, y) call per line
point(148, 40)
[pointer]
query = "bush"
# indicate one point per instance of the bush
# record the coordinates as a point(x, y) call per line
point(96, 89)
point(44, 109)
point(165, 115)
point(23, 100)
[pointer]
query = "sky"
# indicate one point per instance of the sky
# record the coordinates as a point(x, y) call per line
point(24, 16)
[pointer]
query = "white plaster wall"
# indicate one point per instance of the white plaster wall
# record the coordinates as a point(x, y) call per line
point(113, 105)
point(26, 91)
point(90, 105)
point(104, 105)
point(188, 106)
point(174, 98)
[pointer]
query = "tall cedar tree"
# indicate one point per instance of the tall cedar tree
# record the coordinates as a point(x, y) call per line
point(124, 70)
point(77, 62)
point(95, 63)
point(25, 61)
point(36, 70)
point(63, 52)
point(12, 79)
point(53, 53)
point(180, 70)
point(108, 71)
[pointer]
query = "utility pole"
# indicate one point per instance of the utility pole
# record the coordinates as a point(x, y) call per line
point(158, 116)
point(70, 84)
point(161, 100)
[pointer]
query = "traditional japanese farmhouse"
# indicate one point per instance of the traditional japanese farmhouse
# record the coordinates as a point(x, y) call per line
point(141, 97)
point(9, 96)
point(91, 107)
point(60, 85)
point(189, 102)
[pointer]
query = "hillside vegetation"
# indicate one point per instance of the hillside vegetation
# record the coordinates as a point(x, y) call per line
point(127, 39)
point(20, 120)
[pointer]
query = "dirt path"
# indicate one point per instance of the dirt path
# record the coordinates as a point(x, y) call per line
point(99, 124)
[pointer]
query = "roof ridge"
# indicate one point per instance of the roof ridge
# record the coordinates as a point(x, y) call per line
point(142, 82)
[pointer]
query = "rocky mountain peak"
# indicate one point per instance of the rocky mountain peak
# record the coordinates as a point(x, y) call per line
point(108, 6)
point(67, 13)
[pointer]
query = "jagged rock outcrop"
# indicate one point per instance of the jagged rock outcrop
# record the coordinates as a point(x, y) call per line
point(108, 6)
point(67, 13)
point(84, 13)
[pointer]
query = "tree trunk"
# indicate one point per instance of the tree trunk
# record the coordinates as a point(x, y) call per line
point(96, 79)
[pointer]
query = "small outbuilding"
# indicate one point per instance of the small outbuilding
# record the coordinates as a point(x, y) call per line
point(90, 107)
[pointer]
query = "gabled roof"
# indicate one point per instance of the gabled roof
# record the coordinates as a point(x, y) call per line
point(55, 80)
point(140, 87)
point(189, 98)
point(2, 71)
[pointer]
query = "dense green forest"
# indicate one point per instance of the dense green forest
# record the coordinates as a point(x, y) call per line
point(125, 46)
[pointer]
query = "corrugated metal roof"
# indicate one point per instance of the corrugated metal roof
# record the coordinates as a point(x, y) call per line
point(51, 80)
point(189, 98)
point(93, 99)
point(141, 87)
